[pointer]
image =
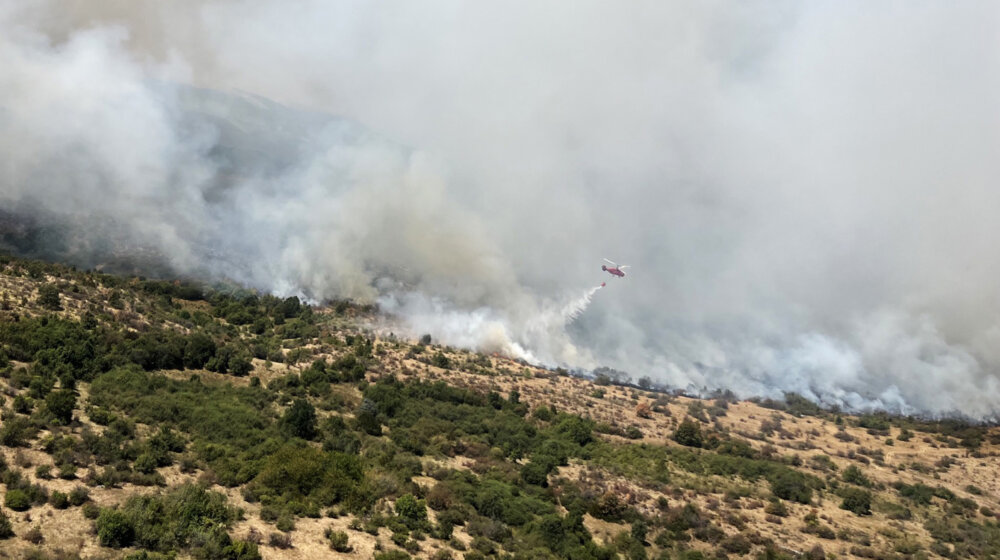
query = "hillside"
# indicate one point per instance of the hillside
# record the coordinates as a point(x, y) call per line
point(144, 419)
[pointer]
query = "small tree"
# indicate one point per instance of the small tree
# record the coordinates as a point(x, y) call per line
point(857, 501)
point(61, 404)
point(114, 529)
point(367, 418)
point(300, 420)
point(411, 509)
point(339, 541)
point(853, 475)
point(791, 485)
point(639, 530)
point(198, 350)
point(48, 297)
point(17, 500)
point(688, 433)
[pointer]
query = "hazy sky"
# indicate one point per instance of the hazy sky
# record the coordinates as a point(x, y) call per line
point(805, 191)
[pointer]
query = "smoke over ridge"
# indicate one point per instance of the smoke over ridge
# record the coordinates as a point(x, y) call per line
point(806, 192)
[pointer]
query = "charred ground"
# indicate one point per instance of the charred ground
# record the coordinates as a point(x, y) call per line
point(145, 419)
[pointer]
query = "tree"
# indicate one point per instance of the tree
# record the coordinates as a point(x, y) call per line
point(411, 509)
point(639, 530)
point(688, 433)
point(48, 297)
point(61, 404)
point(198, 350)
point(339, 541)
point(114, 529)
point(853, 475)
point(367, 418)
point(240, 365)
point(791, 485)
point(577, 429)
point(857, 501)
point(300, 420)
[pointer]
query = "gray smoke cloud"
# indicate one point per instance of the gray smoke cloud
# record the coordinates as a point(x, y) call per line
point(805, 191)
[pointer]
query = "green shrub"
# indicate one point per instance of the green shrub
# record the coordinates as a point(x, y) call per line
point(6, 530)
point(688, 433)
point(241, 550)
point(17, 500)
point(90, 510)
point(300, 420)
point(776, 507)
point(59, 500)
point(338, 541)
point(856, 500)
point(853, 475)
point(543, 413)
point(737, 544)
point(78, 496)
point(115, 529)
point(285, 524)
point(791, 485)
point(146, 463)
point(61, 404)
point(48, 297)
point(183, 517)
point(411, 509)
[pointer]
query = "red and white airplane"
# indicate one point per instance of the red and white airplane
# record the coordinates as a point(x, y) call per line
point(614, 269)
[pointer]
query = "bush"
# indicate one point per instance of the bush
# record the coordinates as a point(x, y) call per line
point(279, 540)
point(609, 508)
point(411, 509)
point(114, 529)
point(543, 413)
point(48, 297)
point(338, 541)
point(6, 530)
point(300, 420)
point(737, 544)
point(61, 404)
point(78, 496)
point(90, 510)
point(242, 550)
point(59, 500)
point(791, 485)
point(17, 500)
point(776, 507)
point(34, 535)
point(688, 433)
point(857, 501)
point(853, 475)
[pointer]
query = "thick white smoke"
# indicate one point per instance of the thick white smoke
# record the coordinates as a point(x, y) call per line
point(806, 191)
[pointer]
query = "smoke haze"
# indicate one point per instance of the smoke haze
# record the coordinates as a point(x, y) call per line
point(806, 192)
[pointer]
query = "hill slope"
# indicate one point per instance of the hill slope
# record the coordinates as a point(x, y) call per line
point(141, 418)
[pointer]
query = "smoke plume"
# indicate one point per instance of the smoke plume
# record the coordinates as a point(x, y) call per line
point(805, 191)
